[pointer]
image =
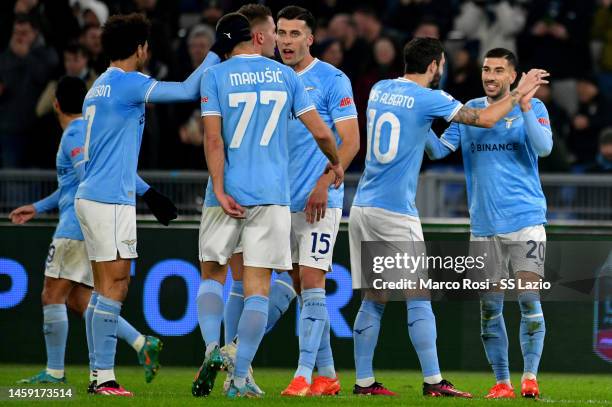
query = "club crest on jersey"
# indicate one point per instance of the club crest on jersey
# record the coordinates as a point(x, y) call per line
point(309, 88)
point(510, 120)
point(131, 245)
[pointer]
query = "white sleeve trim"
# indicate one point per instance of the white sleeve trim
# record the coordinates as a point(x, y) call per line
point(307, 109)
point(211, 113)
point(447, 144)
point(340, 119)
point(79, 163)
point(154, 84)
point(450, 116)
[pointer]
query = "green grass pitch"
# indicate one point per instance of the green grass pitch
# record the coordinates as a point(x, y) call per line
point(172, 388)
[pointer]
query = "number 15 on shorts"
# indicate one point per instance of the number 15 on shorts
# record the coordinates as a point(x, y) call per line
point(320, 242)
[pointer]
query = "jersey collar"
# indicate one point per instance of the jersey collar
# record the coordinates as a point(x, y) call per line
point(114, 68)
point(247, 56)
point(309, 67)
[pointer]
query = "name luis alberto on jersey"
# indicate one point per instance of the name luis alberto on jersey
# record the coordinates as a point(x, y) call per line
point(391, 99)
point(253, 78)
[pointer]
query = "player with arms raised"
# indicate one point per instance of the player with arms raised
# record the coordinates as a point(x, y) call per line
point(246, 104)
point(507, 213)
point(68, 275)
point(400, 113)
point(316, 207)
point(114, 109)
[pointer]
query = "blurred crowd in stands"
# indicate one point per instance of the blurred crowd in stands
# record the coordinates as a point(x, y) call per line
point(41, 40)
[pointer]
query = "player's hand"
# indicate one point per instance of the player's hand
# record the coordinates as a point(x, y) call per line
point(531, 80)
point(317, 202)
point(162, 207)
point(338, 171)
point(525, 101)
point(230, 206)
point(22, 214)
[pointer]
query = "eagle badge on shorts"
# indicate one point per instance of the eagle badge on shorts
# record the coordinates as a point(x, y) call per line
point(131, 245)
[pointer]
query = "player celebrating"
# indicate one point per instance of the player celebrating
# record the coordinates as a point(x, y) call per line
point(114, 110)
point(315, 212)
point(514, 226)
point(400, 113)
point(68, 275)
point(247, 197)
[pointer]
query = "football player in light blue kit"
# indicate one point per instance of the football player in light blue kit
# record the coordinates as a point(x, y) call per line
point(114, 109)
point(399, 114)
point(68, 275)
point(316, 207)
point(246, 105)
point(508, 210)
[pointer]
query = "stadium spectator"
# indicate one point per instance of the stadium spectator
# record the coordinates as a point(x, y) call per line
point(91, 39)
point(25, 68)
point(464, 79)
point(330, 51)
point(493, 24)
point(76, 61)
point(407, 15)
point(427, 28)
point(555, 38)
point(357, 56)
point(603, 161)
point(592, 116)
point(602, 32)
point(89, 12)
point(370, 27)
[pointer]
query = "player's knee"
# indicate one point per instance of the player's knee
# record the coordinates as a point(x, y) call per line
point(491, 306)
point(312, 278)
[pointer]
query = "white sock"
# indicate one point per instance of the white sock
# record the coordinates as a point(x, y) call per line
point(367, 382)
point(528, 376)
point(210, 347)
point(93, 375)
point(239, 382)
point(139, 343)
point(56, 373)
point(105, 375)
point(506, 381)
point(435, 379)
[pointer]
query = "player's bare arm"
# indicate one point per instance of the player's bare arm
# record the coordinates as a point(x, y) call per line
point(326, 141)
point(215, 161)
point(22, 214)
point(493, 113)
point(348, 131)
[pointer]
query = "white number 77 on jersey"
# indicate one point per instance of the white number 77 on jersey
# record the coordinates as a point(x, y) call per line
point(250, 100)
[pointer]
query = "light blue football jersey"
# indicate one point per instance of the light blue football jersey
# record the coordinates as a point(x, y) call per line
point(330, 90)
point(256, 97)
point(501, 170)
point(69, 165)
point(399, 117)
point(114, 109)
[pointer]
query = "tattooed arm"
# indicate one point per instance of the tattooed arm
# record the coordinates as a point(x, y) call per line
point(493, 113)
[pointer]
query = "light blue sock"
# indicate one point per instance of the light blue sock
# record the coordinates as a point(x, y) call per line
point(422, 331)
point(325, 358)
point(55, 328)
point(210, 310)
point(89, 312)
point(494, 335)
point(532, 331)
point(365, 337)
point(281, 295)
point(233, 310)
point(126, 331)
point(312, 325)
point(104, 324)
point(251, 329)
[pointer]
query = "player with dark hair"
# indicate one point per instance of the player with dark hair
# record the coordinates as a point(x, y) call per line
point(246, 103)
point(502, 162)
point(68, 275)
point(316, 208)
point(399, 117)
point(114, 111)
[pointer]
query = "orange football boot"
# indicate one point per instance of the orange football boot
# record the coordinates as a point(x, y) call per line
point(501, 391)
point(325, 386)
point(530, 388)
point(298, 387)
